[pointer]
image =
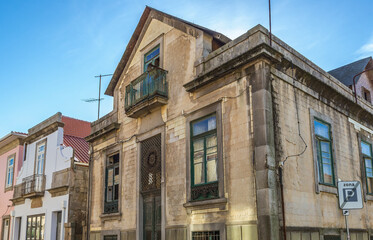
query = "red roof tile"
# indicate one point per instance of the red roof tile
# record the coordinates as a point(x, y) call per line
point(75, 127)
point(80, 146)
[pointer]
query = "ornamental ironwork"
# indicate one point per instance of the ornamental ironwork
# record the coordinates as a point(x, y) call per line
point(206, 191)
point(151, 167)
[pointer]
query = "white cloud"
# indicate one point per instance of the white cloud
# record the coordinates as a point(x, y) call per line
point(367, 49)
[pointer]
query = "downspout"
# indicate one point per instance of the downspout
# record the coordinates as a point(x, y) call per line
point(280, 169)
point(88, 221)
point(353, 79)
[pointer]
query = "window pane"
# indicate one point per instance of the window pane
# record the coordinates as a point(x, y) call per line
point(327, 173)
point(368, 162)
point(204, 125)
point(198, 173)
point(110, 177)
point(211, 171)
point(198, 145)
point(370, 185)
point(109, 194)
point(211, 141)
point(152, 54)
point(366, 149)
point(321, 129)
point(11, 162)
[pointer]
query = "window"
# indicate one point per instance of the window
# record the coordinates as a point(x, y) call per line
point(112, 184)
point(10, 171)
point(366, 150)
point(35, 227)
point(211, 235)
point(6, 229)
point(323, 141)
point(331, 237)
point(111, 237)
point(40, 158)
point(366, 94)
point(204, 160)
point(152, 58)
point(58, 216)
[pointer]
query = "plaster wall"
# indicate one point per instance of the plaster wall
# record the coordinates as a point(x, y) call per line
point(365, 81)
point(5, 204)
point(57, 158)
point(304, 207)
point(239, 184)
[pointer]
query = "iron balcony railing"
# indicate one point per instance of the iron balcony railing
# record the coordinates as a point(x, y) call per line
point(148, 85)
point(33, 184)
point(111, 207)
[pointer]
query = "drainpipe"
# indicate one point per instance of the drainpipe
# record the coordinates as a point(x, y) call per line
point(88, 221)
point(12, 223)
point(355, 81)
point(63, 219)
point(280, 169)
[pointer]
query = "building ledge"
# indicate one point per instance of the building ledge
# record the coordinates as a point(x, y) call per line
point(220, 203)
point(144, 107)
point(110, 216)
point(58, 191)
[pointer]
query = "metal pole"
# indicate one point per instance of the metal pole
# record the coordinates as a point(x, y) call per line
point(99, 98)
point(348, 231)
point(270, 24)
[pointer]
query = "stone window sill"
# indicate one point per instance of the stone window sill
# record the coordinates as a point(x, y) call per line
point(369, 197)
point(328, 189)
point(110, 216)
point(8, 189)
point(206, 204)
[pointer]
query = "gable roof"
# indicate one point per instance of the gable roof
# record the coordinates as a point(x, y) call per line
point(346, 73)
point(80, 146)
point(75, 127)
point(221, 38)
point(74, 132)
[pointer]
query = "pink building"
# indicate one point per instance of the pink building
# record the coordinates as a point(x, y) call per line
point(11, 158)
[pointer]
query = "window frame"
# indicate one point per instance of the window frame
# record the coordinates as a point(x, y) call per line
point(321, 187)
point(203, 136)
point(319, 139)
point(363, 138)
point(27, 224)
point(106, 153)
point(365, 167)
point(5, 218)
point(44, 141)
point(214, 108)
point(6, 186)
point(151, 46)
point(146, 63)
point(107, 168)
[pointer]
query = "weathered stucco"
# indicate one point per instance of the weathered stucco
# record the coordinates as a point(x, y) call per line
point(251, 85)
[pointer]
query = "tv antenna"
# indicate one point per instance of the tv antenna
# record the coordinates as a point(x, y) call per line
point(99, 99)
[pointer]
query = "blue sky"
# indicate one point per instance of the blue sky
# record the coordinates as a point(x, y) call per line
point(50, 51)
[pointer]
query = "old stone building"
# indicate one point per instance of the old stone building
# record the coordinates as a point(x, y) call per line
point(50, 193)
point(202, 125)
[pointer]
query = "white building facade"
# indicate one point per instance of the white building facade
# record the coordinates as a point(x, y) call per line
point(45, 183)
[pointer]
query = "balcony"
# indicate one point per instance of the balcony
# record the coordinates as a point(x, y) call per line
point(32, 186)
point(148, 91)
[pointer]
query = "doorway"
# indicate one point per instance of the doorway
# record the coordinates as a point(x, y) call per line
point(151, 175)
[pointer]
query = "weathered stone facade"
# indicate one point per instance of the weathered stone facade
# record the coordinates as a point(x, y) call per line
point(258, 91)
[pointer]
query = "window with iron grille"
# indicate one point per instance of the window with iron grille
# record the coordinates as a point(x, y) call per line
point(324, 152)
point(366, 150)
point(210, 235)
point(332, 237)
point(111, 237)
point(112, 184)
point(204, 160)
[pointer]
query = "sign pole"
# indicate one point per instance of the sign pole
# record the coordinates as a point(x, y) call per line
point(348, 231)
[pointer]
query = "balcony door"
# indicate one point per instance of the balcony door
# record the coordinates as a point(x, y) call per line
point(151, 169)
point(39, 166)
